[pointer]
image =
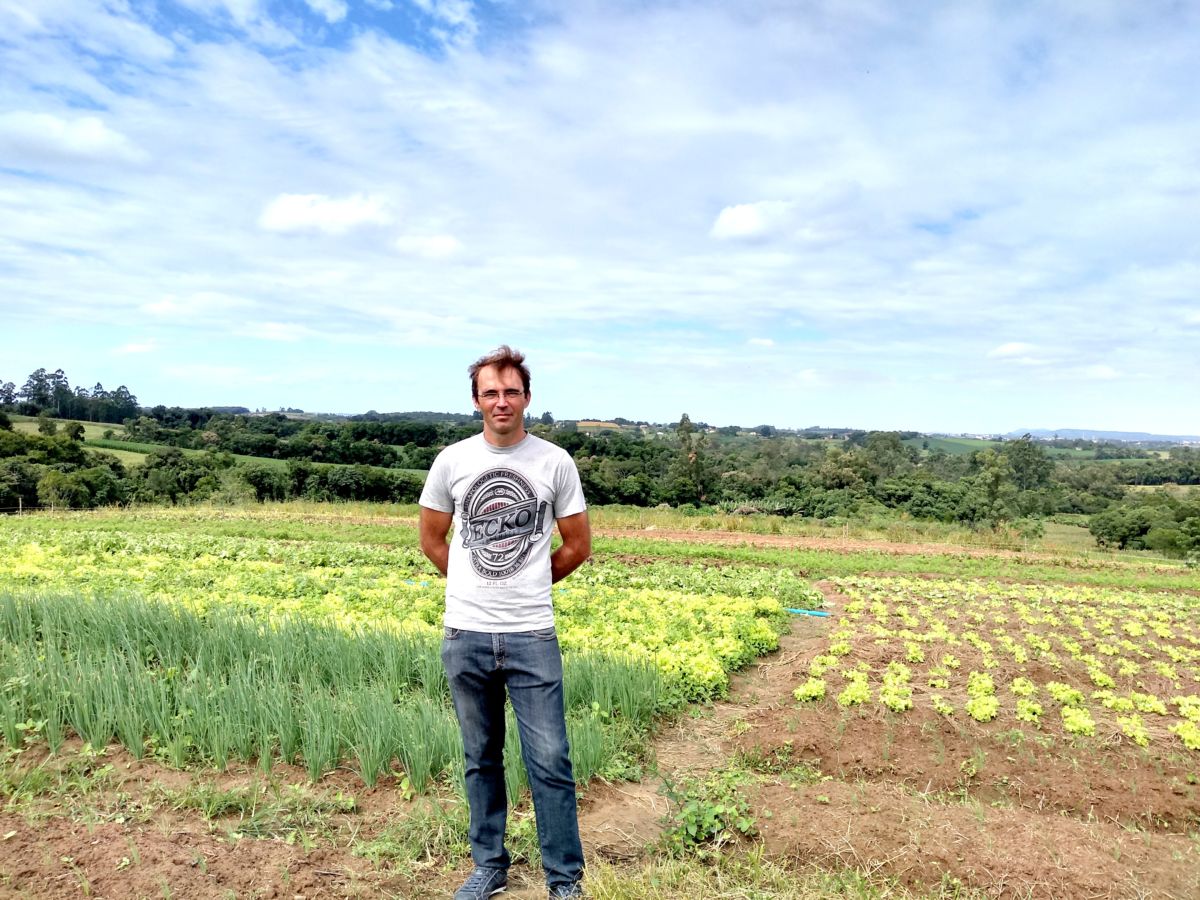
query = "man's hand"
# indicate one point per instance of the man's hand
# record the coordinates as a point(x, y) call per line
point(435, 525)
point(576, 534)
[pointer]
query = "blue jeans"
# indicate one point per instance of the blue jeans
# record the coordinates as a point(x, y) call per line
point(480, 666)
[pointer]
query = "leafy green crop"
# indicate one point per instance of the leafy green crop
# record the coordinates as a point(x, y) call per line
point(1112, 653)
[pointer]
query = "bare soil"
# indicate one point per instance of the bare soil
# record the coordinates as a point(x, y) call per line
point(924, 803)
point(803, 542)
point(837, 544)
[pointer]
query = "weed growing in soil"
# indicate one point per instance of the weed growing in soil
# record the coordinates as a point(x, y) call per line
point(781, 762)
point(262, 810)
point(709, 813)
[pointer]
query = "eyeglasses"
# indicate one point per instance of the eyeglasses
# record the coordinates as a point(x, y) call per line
point(511, 395)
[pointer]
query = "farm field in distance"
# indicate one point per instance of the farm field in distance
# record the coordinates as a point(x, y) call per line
point(245, 701)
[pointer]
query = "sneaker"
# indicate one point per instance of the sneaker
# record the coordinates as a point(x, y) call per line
point(567, 892)
point(482, 883)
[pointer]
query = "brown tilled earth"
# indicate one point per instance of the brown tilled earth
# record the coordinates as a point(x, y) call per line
point(831, 543)
point(919, 800)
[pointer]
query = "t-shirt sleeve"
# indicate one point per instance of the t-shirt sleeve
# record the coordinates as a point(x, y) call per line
point(436, 492)
point(568, 491)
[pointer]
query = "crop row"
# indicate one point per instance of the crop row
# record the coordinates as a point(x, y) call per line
point(696, 622)
point(190, 687)
point(1099, 661)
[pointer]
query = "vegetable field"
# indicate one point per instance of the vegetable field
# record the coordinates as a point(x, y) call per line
point(1124, 662)
point(249, 702)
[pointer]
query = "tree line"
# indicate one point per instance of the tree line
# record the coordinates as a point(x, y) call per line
point(397, 444)
point(51, 393)
point(830, 474)
point(59, 471)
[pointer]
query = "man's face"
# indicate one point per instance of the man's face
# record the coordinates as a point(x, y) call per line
point(500, 397)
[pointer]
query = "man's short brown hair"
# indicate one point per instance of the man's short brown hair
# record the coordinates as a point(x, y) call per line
point(503, 357)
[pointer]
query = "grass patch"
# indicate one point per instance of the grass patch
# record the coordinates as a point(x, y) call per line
point(750, 875)
point(91, 430)
point(266, 809)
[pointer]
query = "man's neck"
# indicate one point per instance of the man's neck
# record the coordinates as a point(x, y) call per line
point(504, 440)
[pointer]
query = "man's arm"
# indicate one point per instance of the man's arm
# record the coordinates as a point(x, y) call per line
point(435, 525)
point(576, 546)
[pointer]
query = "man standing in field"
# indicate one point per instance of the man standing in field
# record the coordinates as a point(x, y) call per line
point(506, 488)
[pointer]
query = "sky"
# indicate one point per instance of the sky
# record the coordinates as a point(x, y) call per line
point(960, 217)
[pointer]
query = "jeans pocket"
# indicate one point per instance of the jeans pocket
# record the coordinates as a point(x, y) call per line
point(545, 634)
point(451, 634)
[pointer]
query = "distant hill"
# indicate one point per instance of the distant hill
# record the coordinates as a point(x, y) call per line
point(1086, 434)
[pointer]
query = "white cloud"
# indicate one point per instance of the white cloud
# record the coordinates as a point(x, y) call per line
point(1100, 372)
point(332, 10)
point(210, 375)
point(275, 331)
point(251, 17)
point(242, 12)
point(37, 136)
point(1007, 351)
point(434, 247)
point(104, 29)
point(761, 342)
point(1019, 353)
point(199, 305)
point(808, 378)
point(148, 346)
point(317, 212)
point(458, 15)
point(751, 221)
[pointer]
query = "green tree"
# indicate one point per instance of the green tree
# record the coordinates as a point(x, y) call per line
point(63, 489)
point(888, 455)
point(46, 425)
point(74, 431)
point(18, 484)
point(990, 499)
point(37, 390)
point(1029, 464)
point(689, 478)
point(61, 396)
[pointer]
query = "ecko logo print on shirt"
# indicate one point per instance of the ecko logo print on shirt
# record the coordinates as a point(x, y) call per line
point(502, 520)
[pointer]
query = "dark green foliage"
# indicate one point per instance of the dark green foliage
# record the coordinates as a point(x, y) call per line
point(51, 393)
point(352, 483)
point(708, 814)
point(170, 476)
point(1152, 522)
point(18, 485)
point(81, 489)
point(387, 444)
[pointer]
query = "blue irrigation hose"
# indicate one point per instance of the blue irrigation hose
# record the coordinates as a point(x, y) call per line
point(806, 612)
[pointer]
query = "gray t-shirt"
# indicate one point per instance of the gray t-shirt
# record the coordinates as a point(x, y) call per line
point(505, 501)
